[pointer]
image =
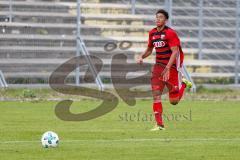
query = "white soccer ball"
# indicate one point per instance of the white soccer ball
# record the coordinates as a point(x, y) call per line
point(49, 139)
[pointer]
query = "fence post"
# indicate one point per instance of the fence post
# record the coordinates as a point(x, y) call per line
point(168, 7)
point(237, 42)
point(133, 3)
point(77, 76)
point(166, 4)
point(200, 32)
point(170, 13)
point(10, 10)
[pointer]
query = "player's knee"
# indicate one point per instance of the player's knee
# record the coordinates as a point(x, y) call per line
point(157, 99)
point(156, 96)
point(174, 102)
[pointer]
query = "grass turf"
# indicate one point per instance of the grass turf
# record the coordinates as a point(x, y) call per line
point(195, 130)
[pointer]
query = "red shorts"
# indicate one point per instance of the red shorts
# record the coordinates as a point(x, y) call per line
point(172, 84)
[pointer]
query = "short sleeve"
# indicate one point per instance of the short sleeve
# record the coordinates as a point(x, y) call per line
point(173, 39)
point(150, 44)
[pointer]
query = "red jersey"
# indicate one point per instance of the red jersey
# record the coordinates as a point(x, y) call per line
point(163, 41)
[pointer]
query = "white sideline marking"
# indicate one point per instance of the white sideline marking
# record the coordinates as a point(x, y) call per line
point(134, 140)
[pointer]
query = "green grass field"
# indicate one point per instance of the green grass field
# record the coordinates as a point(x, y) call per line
point(195, 130)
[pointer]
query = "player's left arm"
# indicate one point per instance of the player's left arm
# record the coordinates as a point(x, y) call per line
point(174, 44)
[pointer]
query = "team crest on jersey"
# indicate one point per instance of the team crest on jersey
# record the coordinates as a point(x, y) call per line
point(163, 36)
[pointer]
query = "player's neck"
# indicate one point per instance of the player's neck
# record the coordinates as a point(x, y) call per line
point(160, 28)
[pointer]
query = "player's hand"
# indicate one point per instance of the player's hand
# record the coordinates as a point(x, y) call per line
point(140, 60)
point(166, 73)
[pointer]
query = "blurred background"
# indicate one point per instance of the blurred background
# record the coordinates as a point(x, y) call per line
point(36, 36)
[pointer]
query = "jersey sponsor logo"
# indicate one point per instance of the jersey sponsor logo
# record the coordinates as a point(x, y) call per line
point(159, 44)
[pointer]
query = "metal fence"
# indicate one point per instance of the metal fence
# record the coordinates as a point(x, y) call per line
point(209, 29)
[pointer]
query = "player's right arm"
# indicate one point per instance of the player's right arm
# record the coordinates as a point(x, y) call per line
point(148, 51)
point(145, 54)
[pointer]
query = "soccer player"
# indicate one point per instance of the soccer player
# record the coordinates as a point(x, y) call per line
point(166, 70)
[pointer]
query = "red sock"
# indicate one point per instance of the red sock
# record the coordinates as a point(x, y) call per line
point(157, 109)
point(181, 91)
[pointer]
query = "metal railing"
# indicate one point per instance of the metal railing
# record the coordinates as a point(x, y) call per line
point(82, 49)
point(3, 82)
point(202, 28)
point(208, 16)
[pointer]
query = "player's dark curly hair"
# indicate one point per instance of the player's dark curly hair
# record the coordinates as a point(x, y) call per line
point(165, 13)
